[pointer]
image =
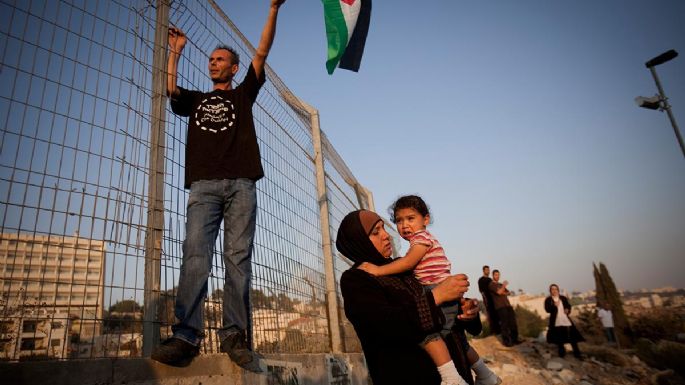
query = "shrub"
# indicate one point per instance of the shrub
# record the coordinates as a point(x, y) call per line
point(663, 354)
point(486, 329)
point(658, 324)
point(589, 326)
point(530, 324)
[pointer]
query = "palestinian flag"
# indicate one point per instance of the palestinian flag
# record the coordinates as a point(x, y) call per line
point(347, 24)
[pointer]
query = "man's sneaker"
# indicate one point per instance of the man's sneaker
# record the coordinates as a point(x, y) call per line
point(175, 352)
point(236, 347)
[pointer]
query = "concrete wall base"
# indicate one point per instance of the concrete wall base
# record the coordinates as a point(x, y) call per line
point(279, 369)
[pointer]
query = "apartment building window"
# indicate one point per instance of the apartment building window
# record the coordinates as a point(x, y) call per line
point(30, 326)
point(31, 343)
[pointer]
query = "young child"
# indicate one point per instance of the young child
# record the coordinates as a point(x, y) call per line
point(427, 259)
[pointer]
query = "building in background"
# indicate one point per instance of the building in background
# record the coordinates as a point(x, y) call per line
point(51, 294)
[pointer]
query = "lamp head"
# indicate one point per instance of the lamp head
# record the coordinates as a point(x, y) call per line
point(661, 59)
point(653, 103)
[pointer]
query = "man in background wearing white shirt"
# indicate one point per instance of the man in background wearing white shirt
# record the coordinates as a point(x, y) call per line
point(607, 319)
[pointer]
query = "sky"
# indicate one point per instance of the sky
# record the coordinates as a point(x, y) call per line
point(516, 122)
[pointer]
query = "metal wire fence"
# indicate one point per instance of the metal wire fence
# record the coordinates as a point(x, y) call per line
point(77, 115)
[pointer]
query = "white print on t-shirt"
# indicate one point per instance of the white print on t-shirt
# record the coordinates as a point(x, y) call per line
point(215, 114)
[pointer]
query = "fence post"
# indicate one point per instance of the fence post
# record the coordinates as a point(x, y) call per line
point(329, 266)
point(366, 194)
point(155, 200)
point(328, 262)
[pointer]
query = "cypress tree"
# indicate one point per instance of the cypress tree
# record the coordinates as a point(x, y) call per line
point(600, 293)
point(606, 293)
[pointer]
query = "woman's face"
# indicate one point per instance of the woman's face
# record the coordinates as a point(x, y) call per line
point(554, 290)
point(381, 240)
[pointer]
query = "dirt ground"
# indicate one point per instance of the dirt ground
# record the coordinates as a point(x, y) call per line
point(535, 362)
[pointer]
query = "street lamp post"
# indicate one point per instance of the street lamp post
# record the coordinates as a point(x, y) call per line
point(661, 101)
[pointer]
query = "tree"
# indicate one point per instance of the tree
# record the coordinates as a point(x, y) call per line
point(165, 310)
point(260, 300)
point(125, 306)
point(124, 317)
point(217, 295)
point(607, 293)
point(285, 303)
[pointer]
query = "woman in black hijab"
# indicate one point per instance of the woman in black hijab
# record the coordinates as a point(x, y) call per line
point(392, 314)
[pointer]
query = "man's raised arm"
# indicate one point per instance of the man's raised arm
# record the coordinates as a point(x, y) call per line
point(267, 38)
point(177, 40)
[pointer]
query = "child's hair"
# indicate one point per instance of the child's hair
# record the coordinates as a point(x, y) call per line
point(408, 202)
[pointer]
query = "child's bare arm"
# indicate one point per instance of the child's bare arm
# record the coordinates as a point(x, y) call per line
point(400, 265)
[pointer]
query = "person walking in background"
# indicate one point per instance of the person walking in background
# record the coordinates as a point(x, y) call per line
point(607, 319)
point(561, 329)
point(483, 284)
point(222, 167)
point(505, 312)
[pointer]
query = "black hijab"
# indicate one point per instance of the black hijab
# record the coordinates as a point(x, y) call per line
point(354, 243)
point(353, 238)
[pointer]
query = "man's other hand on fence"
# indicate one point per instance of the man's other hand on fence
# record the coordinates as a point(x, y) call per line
point(177, 40)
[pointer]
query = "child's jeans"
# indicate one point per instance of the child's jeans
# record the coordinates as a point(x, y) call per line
point(450, 310)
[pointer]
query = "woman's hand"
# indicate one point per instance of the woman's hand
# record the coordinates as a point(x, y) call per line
point(469, 308)
point(369, 268)
point(453, 287)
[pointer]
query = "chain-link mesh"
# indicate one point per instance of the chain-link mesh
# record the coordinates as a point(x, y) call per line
point(75, 110)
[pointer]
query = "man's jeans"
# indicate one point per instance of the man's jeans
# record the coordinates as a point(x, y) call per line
point(609, 333)
point(234, 201)
point(508, 326)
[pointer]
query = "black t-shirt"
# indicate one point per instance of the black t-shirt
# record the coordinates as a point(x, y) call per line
point(222, 142)
point(483, 283)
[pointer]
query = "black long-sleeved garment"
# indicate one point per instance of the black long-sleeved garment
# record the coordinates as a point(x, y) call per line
point(391, 317)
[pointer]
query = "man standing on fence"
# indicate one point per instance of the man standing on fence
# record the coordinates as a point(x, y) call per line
point(222, 166)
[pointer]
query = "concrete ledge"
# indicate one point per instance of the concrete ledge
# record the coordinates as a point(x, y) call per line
point(303, 369)
point(57, 372)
